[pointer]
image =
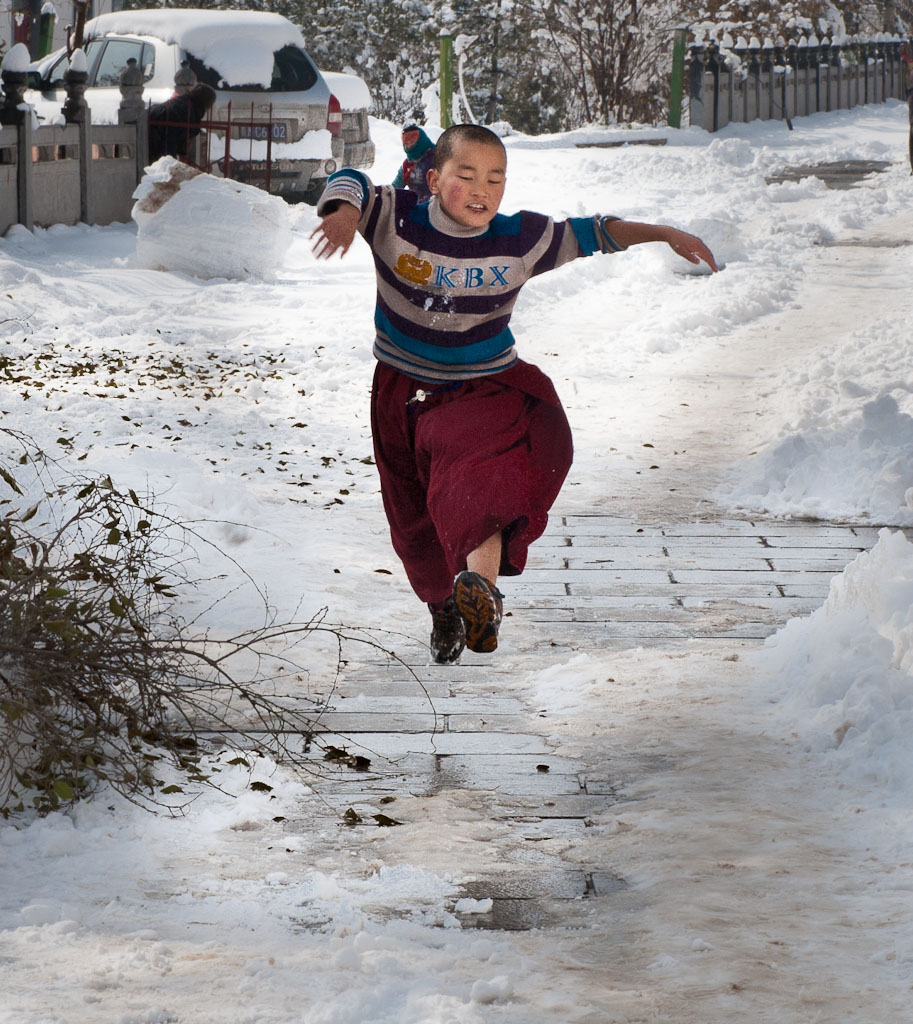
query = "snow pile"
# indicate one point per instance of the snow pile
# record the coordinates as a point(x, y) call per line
point(208, 227)
point(848, 669)
point(846, 450)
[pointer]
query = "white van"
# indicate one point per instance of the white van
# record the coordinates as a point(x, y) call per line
point(265, 82)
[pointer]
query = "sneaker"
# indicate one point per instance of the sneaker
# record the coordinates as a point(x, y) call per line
point(448, 633)
point(481, 604)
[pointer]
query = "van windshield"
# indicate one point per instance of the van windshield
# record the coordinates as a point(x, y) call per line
point(292, 72)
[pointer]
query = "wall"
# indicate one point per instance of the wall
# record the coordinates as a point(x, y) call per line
point(70, 173)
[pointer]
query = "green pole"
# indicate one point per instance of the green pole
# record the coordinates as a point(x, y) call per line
point(678, 77)
point(446, 86)
point(46, 33)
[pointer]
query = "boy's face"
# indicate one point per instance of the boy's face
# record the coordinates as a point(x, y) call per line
point(471, 183)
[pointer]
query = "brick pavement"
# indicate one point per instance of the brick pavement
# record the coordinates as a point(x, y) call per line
point(594, 583)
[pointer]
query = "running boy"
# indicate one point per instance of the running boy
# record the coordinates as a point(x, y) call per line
point(471, 443)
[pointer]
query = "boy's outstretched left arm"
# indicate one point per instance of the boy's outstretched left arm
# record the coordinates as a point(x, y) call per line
point(690, 247)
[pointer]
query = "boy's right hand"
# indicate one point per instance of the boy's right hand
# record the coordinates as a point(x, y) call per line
point(336, 232)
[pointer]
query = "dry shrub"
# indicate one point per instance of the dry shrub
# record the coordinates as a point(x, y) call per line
point(101, 681)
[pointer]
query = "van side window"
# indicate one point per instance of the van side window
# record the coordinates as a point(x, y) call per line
point(148, 61)
point(115, 57)
point(55, 79)
point(55, 75)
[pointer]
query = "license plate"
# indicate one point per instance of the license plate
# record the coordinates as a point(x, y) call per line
point(260, 132)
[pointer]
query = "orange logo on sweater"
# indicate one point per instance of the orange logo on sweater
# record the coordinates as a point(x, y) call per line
point(411, 268)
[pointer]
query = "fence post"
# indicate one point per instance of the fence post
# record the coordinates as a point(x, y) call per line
point(753, 91)
point(837, 64)
point(852, 74)
point(792, 79)
point(813, 54)
point(767, 72)
point(802, 77)
point(695, 85)
point(824, 74)
point(892, 59)
point(814, 44)
point(133, 111)
point(880, 69)
point(727, 105)
point(76, 111)
point(861, 72)
point(678, 77)
point(446, 79)
point(14, 80)
point(740, 82)
point(713, 68)
point(778, 84)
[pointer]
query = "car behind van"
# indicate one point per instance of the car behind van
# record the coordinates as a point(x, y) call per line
point(266, 85)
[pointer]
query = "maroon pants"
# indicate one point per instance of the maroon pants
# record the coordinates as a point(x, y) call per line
point(487, 456)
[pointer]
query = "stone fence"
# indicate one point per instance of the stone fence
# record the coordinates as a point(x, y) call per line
point(745, 81)
point(78, 171)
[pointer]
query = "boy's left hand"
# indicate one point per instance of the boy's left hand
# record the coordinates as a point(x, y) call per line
point(691, 248)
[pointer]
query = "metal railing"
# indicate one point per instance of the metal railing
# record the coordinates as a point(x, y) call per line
point(744, 81)
point(194, 142)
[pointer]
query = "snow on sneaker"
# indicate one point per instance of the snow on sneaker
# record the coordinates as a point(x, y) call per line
point(448, 633)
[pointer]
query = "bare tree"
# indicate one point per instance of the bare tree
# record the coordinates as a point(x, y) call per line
point(75, 32)
point(613, 53)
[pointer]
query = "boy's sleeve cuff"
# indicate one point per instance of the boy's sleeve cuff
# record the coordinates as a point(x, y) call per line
point(347, 186)
point(592, 235)
point(608, 243)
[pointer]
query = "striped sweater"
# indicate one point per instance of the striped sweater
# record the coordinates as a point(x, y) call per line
point(445, 292)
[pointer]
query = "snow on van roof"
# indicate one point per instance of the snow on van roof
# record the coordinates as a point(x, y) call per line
point(350, 90)
point(237, 44)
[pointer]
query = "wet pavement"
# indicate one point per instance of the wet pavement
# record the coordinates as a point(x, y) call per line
point(837, 174)
point(594, 583)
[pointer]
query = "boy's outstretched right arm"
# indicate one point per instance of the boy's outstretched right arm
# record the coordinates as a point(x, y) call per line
point(336, 231)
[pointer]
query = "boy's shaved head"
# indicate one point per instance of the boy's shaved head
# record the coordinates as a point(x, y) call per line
point(464, 133)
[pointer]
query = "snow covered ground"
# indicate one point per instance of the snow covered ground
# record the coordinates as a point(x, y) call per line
point(770, 874)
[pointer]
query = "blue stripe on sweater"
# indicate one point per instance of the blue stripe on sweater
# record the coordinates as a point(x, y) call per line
point(585, 232)
point(461, 355)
